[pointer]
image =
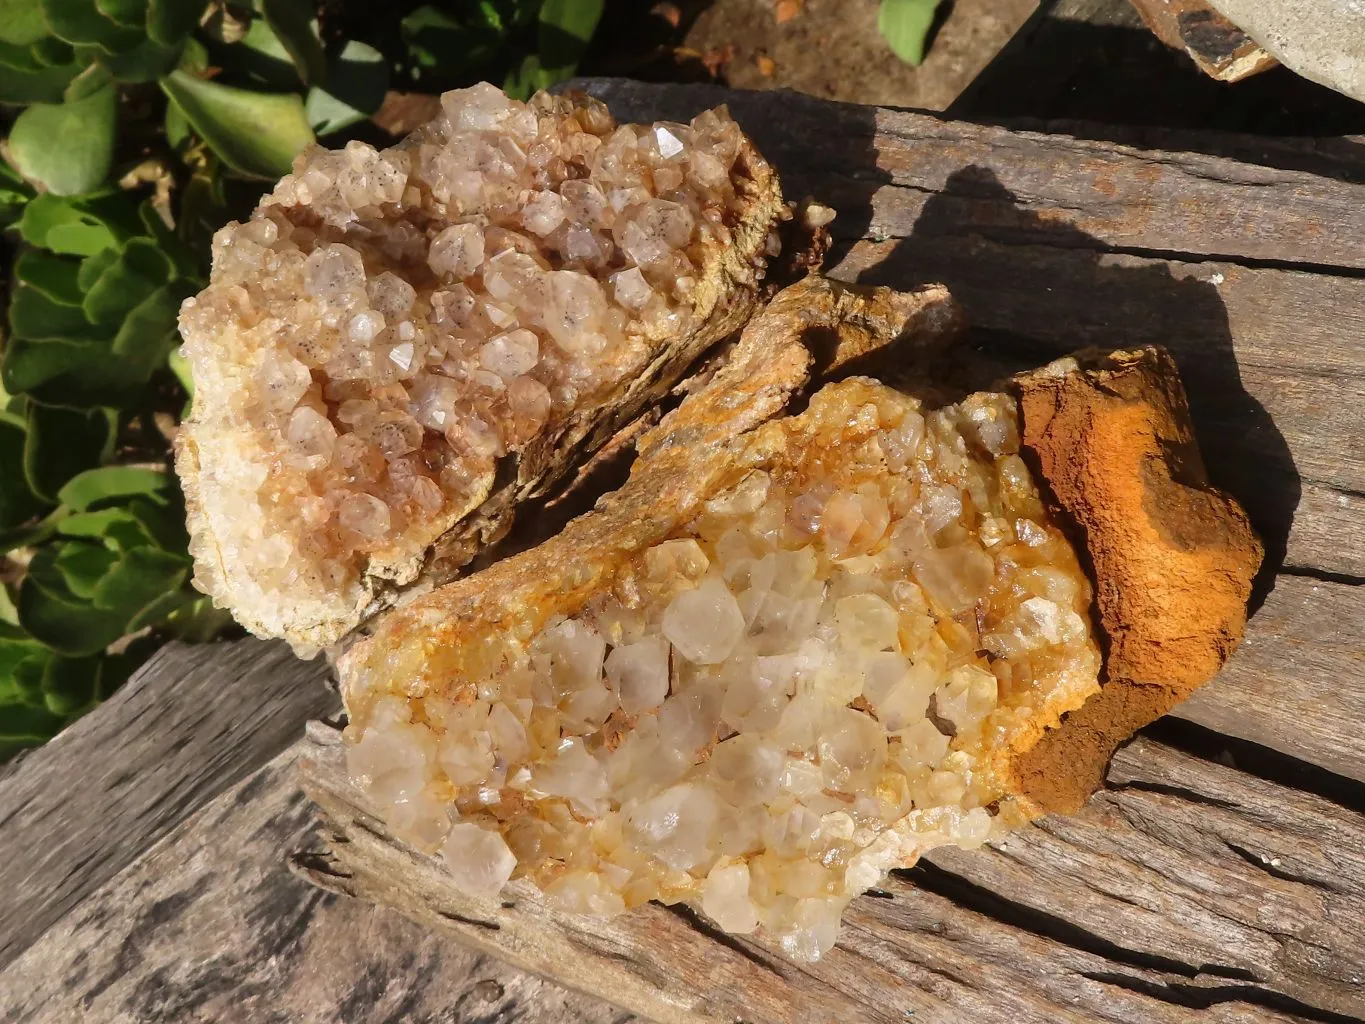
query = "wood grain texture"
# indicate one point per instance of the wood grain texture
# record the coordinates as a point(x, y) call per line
point(211, 926)
point(190, 723)
point(1297, 684)
point(1189, 884)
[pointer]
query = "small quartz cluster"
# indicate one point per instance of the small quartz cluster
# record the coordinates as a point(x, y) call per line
point(389, 323)
point(806, 685)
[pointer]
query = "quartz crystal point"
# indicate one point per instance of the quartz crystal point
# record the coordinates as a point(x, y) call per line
point(401, 344)
point(786, 657)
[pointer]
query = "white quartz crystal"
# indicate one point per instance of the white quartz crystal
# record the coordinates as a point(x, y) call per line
point(389, 323)
point(478, 859)
point(765, 711)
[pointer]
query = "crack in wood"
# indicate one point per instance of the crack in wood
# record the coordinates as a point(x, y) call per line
point(1260, 761)
point(1200, 997)
point(1271, 866)
point(1166, 789)
point(699, 924)
point(473, 922)
point(971, 896)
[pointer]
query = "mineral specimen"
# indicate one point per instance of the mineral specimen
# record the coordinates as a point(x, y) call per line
point(776, 664)
point(401, 344)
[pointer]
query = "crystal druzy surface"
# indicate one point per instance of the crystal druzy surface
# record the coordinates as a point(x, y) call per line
point(806, 684)
point(389, 323)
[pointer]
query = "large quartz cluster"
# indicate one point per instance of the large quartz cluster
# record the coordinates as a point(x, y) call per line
point(390, 323)
point(810, 682)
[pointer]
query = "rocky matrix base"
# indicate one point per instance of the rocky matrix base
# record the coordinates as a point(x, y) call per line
point(390, 323)
point(812, 682)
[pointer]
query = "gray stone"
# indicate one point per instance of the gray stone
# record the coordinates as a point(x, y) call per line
point(1322, 40)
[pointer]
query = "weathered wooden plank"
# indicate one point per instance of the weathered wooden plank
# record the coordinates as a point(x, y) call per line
point(211, 926)
point(192, 722)
point(1185, 861)
point(1148, 906)
point(881, 167)
point(1297, 684)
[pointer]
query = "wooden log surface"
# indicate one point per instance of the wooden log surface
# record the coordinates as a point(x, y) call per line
point(209, 925)
point(1219, 878)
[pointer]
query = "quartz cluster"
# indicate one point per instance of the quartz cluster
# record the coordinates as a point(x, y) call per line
point(390, 323)
point(808, 682)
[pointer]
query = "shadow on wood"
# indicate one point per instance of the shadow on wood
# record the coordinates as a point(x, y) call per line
point(1011, 291)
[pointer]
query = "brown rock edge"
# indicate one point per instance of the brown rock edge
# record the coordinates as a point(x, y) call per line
point(1218, 47)
point(1172, 557)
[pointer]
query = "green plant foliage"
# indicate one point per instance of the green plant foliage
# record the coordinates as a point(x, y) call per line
point(255, 133)
point(94, 566)
point(905, 25)
point(92, 332)
point(566, 28)
point(354, 88)
point(294, 25)
point(67, 148)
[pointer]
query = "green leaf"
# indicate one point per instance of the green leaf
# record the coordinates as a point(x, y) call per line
point(25, 80)
point(99, 485)
point(71, 685)
point(184, 263)
point(15, 193)
point(356, 83)
point(128, 13)
point(21, 21)
point(65, 226)
point(148, 333)
point(138, 582)
point(140, 269)
point(83, 566)
point(294, 25)
point(67, 147)
point(170, 21)
point(55, 277)
point(566, 28)
point(438, 41)
point(163, 523)
point(18, 503)
point(31, 534)
point(259, 59)
point(64, 442)
point(22, 725)
point(117, 526)
point(197, 621)
point(15, 647)
point(905, 25)
point(79, 21)
point(527, 78)
point(34, 316)
point(27, 675)
point(145, 62)
point(255, 133)
point(8, 613)
point(71, 369)
point(93, 267)
point(53, 615)
point(180, 366)
point(177, 126)
point(51, 52)
point(87, 83)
